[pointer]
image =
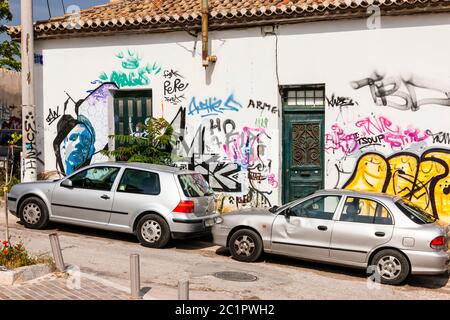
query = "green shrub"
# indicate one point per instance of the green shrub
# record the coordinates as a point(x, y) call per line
point(14, 256)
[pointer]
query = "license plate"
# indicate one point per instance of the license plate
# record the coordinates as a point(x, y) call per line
point(209, 223)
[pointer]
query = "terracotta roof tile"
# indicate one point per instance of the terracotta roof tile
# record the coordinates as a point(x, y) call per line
point(166, 15)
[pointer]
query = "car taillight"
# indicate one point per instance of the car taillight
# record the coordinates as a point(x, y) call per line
point(438, 242)
point(185, 207)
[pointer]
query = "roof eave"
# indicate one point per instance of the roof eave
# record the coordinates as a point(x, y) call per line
point(237, 22)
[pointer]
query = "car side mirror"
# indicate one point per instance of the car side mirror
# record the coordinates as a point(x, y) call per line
point(67, 183)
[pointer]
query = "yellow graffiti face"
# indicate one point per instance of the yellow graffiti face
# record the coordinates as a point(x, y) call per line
point(403, 170)
point(426, 182)
point(442, 188)
point(370, 174)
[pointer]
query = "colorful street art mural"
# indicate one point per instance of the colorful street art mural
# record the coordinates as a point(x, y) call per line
point(381, 150)
point(235, 161)
point(234, 156)
point(424, 180)
point(80, 139)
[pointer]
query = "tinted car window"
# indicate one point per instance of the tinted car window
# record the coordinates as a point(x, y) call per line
point(365, 211)
point(194, 185)
point(322, 207)
point(98, 178)
point(140, 182)
point(415, 213)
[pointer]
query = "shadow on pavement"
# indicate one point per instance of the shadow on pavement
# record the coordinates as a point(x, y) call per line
point(426, 282)
point(184, 244)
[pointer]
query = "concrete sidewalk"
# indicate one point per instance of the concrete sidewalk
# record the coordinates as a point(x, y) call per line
point(54, 287)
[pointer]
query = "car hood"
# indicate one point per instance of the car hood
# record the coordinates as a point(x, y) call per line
point(251, 212)
point(32, 185)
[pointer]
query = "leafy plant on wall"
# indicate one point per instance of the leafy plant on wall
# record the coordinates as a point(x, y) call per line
point(153, 146)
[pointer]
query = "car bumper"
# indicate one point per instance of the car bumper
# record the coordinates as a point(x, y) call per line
point(12, 205)
point(220, 235)
point(428, 263)
point(182, 227)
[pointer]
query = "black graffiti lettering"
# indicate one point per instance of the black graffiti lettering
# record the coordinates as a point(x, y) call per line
point(441, 137)
point(169, 74)
point(375, 140)
point(336, 101)
point(263, 106)
point(215, 124)
point(386, 91)
point(174, 86)
point(175, 99)
point(229, 123)
point(53, 115)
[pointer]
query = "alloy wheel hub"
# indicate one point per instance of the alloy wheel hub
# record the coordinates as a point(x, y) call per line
point(151, 231)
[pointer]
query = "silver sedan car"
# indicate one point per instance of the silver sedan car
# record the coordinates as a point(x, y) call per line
point(154, 202)
point(389, 236)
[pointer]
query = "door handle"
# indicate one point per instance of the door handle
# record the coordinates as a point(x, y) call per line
point(322, 228)
point(380, 234)
point(105, 197)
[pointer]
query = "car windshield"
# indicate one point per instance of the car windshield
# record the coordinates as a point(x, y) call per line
point(415, 213)
point(194, 185)
point(276, 209)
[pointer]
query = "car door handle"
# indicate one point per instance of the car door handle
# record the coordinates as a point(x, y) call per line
point(322, 228)
point(105, 197)
point(380, 234)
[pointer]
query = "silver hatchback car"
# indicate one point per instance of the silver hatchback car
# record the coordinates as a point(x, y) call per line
point(154, 202)
point(390, 236)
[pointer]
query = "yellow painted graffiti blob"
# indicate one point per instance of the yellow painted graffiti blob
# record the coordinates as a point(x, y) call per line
point(403, 172)
point(370, 174)
point(425, 182)
point(442, 188)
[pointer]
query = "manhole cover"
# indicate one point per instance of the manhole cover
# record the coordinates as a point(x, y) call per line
point(235, 276)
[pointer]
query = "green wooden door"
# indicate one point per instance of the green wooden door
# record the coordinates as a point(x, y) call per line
point(131, 108)
point(303, 156)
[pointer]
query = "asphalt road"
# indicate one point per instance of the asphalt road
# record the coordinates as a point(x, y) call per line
point(106, 255)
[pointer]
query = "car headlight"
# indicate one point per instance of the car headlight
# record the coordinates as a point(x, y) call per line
point(218, 220)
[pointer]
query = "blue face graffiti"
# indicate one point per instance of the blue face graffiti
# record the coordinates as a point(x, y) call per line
point(82, 137)
point(78, 147)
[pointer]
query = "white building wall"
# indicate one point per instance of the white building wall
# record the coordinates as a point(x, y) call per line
point(411, 49)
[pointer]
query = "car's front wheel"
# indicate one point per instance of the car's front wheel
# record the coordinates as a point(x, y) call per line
point(390, 267)
point(153, 231)
point(245, 245)
point(33, 213)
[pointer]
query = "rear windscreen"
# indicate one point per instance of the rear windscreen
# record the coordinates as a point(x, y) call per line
point(194, 185)
point(415, 213)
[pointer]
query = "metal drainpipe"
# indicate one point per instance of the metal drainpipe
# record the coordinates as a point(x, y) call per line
point(205, 47)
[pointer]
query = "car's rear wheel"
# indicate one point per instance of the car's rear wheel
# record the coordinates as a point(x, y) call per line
point(33, 213)
point(391, 267)
point(245, 245)
point(153, 231)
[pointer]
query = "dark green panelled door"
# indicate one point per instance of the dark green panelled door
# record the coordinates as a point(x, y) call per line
point(131, 108)
point(303, 156)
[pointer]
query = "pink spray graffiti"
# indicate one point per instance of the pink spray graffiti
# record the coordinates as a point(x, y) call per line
point(247, 147)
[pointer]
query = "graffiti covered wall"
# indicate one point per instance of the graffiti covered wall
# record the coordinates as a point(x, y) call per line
point(223, 128)
point(377, 146)
point(386, 113)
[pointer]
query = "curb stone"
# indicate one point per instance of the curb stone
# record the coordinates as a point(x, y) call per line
point(23, 274)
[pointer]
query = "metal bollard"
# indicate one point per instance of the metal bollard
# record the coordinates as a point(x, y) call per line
point(135, 274)
point(183, 290)
point(57, 253)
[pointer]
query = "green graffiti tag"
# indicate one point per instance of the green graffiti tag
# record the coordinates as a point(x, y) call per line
point(134, 74)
